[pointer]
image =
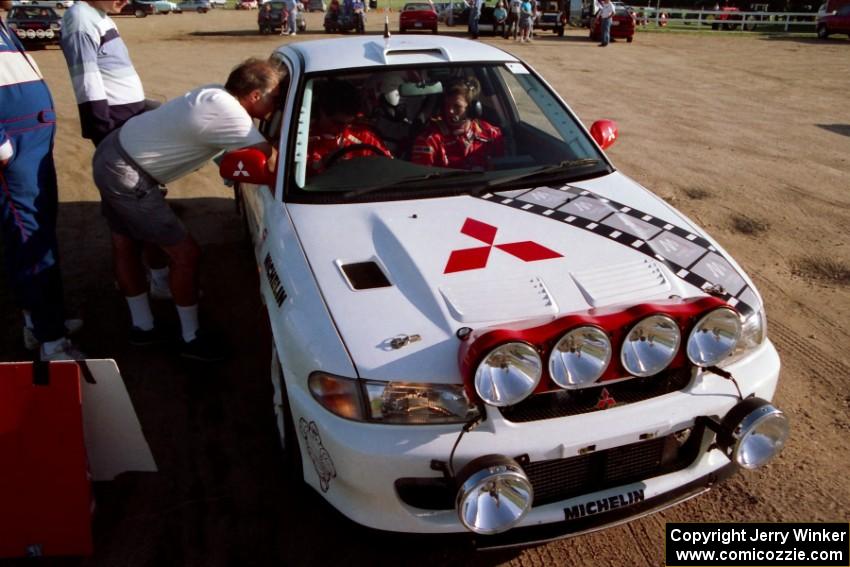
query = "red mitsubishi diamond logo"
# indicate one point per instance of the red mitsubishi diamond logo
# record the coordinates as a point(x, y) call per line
point(605, 400)
point(476, 258)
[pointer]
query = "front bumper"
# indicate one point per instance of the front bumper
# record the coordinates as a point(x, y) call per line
point(368, 459)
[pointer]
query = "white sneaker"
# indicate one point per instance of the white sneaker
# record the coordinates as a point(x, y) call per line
point(62, 349)
point(72, 326)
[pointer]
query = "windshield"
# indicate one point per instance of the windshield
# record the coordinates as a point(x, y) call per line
point(430, 131)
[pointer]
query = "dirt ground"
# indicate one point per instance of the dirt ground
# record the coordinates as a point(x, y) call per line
point(748, 135)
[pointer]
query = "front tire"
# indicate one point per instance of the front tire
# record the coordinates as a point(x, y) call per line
point(141, 13)
point(822, 32)
point(630, 39)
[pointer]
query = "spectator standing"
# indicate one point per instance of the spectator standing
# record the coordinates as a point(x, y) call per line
point(500, 16)
point(109, 92)
point(291, 7)
point(606, 15)
point(513, 18)
point(475, 17)
point(526, 13)
point(133, 163)
point(29, 200)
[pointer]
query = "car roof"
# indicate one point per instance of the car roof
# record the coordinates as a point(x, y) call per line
point(375, 51)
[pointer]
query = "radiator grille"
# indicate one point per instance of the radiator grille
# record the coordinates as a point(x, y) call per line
point(559, 479)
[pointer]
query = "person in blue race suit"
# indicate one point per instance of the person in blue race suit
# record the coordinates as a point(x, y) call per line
point(29, 200)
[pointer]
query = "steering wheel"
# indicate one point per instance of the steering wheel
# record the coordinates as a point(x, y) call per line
point(332, 158)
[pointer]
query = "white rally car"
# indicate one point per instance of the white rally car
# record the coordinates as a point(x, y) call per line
point(491, 329)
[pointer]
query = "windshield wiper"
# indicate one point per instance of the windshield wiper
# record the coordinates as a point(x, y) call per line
point(563, 167)
point(412, 179)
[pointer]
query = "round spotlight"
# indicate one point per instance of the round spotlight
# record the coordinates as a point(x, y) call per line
point(714, 337)
point(508, 374)
point(753, 432)
point(651, 345)
point(493, 495)
point(580, 357)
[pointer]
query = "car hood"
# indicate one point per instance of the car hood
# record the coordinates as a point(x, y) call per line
point(530, 255)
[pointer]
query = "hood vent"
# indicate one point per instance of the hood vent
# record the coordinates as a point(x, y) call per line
point(635, 280)
point(363, 275)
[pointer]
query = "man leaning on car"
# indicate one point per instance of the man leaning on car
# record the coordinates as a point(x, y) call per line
point(132, 165)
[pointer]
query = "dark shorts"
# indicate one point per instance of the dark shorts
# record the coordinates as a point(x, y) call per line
point(132, 201)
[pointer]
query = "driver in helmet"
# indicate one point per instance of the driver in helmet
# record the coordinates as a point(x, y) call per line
point(340, 126)
point(457, 138)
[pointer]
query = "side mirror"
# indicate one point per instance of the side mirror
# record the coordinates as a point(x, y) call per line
point(249, 165)
point(604, 132)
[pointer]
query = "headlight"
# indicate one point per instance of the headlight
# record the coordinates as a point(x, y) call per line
point(55, 26)
point(493, 495)
point(391, 402)
point(753, 334)
point(714, 337)
point(405, 402)
point(651, 345)
point(508, 374)
point(580, 357)
point(753, 432)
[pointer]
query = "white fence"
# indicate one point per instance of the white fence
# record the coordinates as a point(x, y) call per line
point(718, 19)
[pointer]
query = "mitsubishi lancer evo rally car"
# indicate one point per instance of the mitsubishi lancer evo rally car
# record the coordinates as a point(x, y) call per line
point(479, 324)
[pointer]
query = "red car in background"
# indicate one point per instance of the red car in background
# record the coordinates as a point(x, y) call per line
point(622, 26)
point(417, 16)
point(725, 20)
point(833, 17)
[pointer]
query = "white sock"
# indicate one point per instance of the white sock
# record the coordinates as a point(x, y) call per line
point(140, 311)
point(159, 277)
point(188, 321)
point(28, 319)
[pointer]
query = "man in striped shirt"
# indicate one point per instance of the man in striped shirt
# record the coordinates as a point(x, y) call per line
point(106, 85)
point(109, 92)
point(28, 198)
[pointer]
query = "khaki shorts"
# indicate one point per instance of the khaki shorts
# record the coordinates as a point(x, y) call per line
point(132, 201)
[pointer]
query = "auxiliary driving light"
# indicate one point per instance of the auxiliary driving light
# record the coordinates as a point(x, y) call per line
point(580, 357)
point(753, 432)
point(494, 494)
point(650, 346)
point(508, 374)
point(714, 337)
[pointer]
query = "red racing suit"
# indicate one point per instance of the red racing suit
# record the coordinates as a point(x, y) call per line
point(467, 146)
point(323, 144)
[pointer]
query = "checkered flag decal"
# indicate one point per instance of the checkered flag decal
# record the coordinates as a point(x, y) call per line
point(689, 256)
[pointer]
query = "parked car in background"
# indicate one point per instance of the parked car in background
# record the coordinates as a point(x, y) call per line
point(35, 26)
point(246, 5)
point(199, 6)
point(833, 20)
point(61, 4)
point(532, 349)
point(622, 25)
point(417, 16)
point(343, 20)
point(272, 24)
point(137, 8)
point(315, 5)
point(159, 6)
point(552, 17)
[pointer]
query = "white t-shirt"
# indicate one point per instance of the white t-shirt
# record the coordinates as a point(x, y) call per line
point(607, 10)
point(184, 133)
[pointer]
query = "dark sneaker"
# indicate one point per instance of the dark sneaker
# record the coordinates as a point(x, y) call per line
point(140, 337)
point(203, 348)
